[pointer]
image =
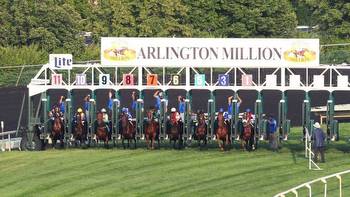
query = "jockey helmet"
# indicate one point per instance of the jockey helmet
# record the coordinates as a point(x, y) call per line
point(125, 110)
point(247, 110)
point(173, 109)
point(221, 110)
point(103, 110)
point(79, 110)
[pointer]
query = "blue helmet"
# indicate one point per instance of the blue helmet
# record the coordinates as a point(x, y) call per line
point(125, 110)
point(221, 110)
point(247, 110)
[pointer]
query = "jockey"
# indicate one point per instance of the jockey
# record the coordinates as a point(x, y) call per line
point(105, 115)
point(125, 110)
point(248, 115)
point(81, 114)
point(56, 112)
point(174, 114)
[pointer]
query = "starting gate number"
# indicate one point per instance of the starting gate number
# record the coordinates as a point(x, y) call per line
point(80, 79)
point(175, 79)
point(199, 80)
point(128, 79)
point(247, 80)
point(224, 80)
point(152, 79)
point(104, 79)
point(56, 79)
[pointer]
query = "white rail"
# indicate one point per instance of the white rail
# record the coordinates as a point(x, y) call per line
point(10, 143)
point(308, 185)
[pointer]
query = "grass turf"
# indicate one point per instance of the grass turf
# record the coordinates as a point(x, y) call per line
point(166, 172)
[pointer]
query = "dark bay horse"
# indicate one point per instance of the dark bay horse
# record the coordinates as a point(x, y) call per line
point(222, 134)
point(201, 129)
point(128, 130)
point(151, 129)
point(174, 130)
point(57, 132)
point(101, 130)
point(80, 131)
point(247, 135)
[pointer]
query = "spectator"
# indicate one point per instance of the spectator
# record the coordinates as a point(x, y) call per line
point(318, 138)
point(272, 125)
point(110, 103)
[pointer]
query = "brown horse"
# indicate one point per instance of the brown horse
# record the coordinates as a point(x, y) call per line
point(151, 130)
point(247, 135)
point(201, 129)
point(222, 134)
point(174, 129)
point(80, 132)
point(101, 130)
point(57, 132)
point(128, 130)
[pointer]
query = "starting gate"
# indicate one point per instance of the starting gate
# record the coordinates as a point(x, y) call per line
point(171, 68)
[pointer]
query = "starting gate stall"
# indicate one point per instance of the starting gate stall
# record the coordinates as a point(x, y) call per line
point(140, 118)
point(163, 118)
point(307, 123)
point(258, 109)
point(92, 116)
point(284, 123)
point(235, 118)
point(115, 119)
point(45, 104)
point(332, 125)
point(150, 60)
point(211, 116)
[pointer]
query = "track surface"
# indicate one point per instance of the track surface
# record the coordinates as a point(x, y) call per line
point(167, 172)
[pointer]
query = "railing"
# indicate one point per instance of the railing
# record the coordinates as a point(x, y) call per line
point(10, 143)
point(308, 185)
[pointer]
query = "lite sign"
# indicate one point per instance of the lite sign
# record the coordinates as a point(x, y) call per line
point(209, 52)
point(61, 61)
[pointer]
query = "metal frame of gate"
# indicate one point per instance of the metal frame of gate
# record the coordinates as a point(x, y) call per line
point(41, 82)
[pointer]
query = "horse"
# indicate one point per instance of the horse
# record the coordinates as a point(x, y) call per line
point(128, 130)
point(151, 130)
point(201, 130)
point(222, 134)
point(247, 135)
point(174, 130)
point(57, 132)
point(101, 130)
point(79, 132)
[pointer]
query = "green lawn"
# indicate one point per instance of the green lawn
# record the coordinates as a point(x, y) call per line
point(166, 172)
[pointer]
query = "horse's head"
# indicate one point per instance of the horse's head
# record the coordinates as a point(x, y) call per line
point(173, 118)
point(149, 115)
point(124, 119)
point(220, 116)
point(99, 117)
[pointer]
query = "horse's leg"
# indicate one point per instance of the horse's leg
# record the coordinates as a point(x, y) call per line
point(147, 141)
point(134, 142)
point(123, 142)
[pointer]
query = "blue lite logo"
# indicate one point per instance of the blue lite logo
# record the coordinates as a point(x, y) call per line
point(61, 61)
